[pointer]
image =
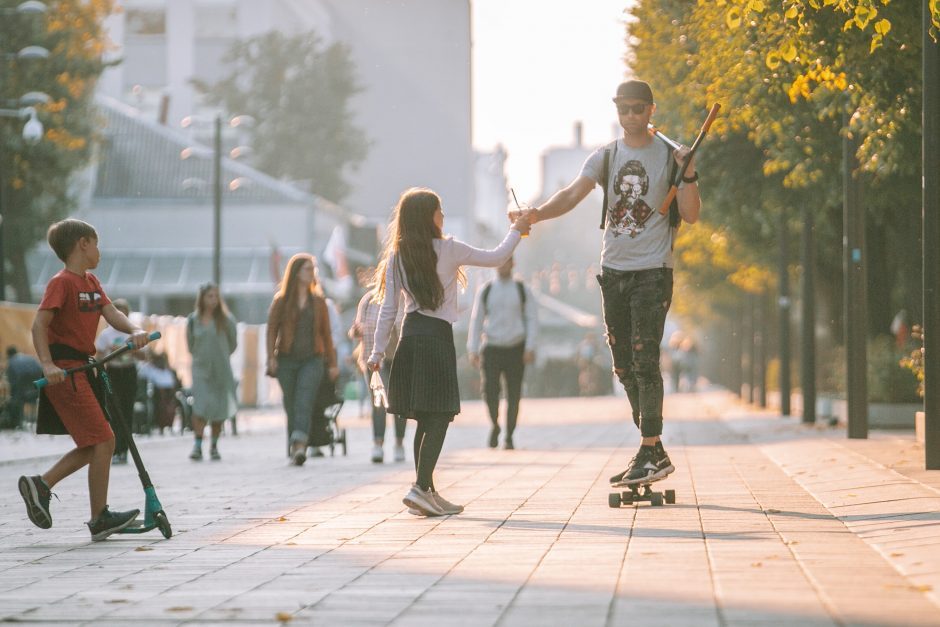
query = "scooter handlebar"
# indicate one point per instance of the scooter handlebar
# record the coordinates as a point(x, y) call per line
point(43, 382)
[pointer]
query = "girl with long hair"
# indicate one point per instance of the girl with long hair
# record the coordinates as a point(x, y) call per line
point(300, 347)
point(424, 266)
point(212, 338)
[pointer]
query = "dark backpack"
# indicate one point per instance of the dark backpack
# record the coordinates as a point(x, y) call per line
point(519, 286)
point(674, 217)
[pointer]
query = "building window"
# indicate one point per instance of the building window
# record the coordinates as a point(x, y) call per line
point(146, 22)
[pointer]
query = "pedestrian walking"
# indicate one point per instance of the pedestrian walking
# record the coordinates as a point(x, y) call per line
point(212, 337)
point(64, 337)
point(635, 172)
point(300, 348)
point(424, 267)
point(21, 371)
point(504, 322)
point(122, 372)
point(363, 330)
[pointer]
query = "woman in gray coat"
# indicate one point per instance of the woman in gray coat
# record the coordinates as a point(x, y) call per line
point(211, 337)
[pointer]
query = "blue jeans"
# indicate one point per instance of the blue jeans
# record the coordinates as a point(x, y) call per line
point(300, 380)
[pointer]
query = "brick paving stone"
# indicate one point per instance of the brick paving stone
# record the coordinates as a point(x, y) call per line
point(775, 524)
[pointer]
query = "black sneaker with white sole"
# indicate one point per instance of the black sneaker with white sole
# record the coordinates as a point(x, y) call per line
point(36, 495)
point(651, 463)
point(109, 522)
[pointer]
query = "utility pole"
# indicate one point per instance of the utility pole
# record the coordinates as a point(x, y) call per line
point(783, 306)
point(808, 322)
point(217, 204)
point(931, 219)
point(855, 305)
point(762, 337)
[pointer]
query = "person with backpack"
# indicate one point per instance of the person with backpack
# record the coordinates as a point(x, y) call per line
point(635, 172)
point(505, 321)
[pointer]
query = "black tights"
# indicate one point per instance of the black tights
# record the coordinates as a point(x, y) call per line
point(429, 440)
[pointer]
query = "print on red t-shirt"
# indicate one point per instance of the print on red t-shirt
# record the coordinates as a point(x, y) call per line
point(77, 302)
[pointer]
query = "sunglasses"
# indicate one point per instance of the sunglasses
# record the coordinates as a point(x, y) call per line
point(635, 109)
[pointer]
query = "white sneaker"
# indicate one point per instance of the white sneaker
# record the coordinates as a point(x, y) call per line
point(378, 455)
point(422, 501)
point(399, 453)
point(446, 506)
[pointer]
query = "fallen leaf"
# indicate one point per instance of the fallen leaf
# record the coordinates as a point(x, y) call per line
point(282, 519)
point(116, 601)
point(143, 548)
point(756, 565)
point(772, 511)
point(284, 617)
point(897, 555)
point(180, 608)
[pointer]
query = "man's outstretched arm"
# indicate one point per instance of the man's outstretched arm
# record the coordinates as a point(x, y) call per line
point(564, 200)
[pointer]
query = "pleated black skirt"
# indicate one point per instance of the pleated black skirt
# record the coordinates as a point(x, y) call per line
point(424, 371)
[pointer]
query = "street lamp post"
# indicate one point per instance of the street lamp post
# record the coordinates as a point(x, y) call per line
point(240, 120)
point(23, 109)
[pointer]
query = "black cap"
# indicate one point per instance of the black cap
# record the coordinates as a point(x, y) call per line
point(634, 90)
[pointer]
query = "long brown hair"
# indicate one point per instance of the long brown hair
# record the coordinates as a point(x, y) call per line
point(287, 289)
point(410, 240)
point(221, 313)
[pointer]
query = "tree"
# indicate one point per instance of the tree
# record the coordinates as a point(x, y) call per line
point(785, 72)
point(38, 178)
point(299, 93)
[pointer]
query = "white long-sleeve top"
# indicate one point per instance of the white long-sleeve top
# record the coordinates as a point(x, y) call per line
point(451, 255)
point(503, 321)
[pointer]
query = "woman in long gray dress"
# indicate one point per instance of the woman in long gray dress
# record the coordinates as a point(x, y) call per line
point(212, 338)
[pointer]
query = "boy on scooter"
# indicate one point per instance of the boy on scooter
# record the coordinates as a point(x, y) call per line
point(64, 337)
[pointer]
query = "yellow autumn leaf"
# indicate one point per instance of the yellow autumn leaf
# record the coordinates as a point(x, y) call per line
point(882, 27)
point(788, 53)
point(875, 43)
point(734, 18)
point(756, 5)
point(773, 60)
point(792, 12)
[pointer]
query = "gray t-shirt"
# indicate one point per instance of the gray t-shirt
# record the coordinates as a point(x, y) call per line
point(636, 236)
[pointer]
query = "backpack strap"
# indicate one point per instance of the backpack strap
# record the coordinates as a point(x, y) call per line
point(605, 178)
point(486, 294)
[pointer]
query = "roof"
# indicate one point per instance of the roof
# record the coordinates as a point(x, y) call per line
point(140, 158)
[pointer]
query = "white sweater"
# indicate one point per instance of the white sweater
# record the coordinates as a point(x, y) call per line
point(451, 255)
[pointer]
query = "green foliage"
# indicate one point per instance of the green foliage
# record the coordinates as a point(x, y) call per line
point(299, 93)
point(888, 381)
point(36, 178)
point(789, 75)
point(914, 361)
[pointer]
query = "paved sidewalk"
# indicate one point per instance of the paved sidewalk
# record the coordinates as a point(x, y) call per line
point(775, 523)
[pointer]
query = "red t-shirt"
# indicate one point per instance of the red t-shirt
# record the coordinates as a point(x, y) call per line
point(77, 302)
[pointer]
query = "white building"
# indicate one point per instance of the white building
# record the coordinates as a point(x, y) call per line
point(412, 60)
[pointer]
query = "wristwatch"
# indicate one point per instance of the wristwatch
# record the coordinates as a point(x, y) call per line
point(690, 179)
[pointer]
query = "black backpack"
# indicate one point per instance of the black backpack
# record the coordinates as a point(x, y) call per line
point(674, 218)
point(519, 286)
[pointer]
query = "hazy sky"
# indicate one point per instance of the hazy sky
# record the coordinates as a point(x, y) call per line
point(539, 66)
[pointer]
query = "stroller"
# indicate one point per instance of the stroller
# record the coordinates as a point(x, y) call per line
point(324, 426)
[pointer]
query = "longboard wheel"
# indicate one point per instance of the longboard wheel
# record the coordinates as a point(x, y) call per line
point(670, 496)
point(613, 499)
point(627, 497)
point(163, 524)
point(656, 499)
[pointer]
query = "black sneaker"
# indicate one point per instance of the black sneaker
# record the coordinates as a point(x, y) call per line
point(508, 445)
point(494, 436)
point(214, 454)
point(109, 522)
point(647, 466)
point(36, 494)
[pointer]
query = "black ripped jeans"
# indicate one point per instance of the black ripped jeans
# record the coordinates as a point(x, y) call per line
point(635, 307)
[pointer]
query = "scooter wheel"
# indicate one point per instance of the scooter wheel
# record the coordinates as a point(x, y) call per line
point(163, 524)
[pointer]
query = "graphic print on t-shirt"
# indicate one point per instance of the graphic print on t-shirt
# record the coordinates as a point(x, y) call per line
point(89, 302)
point(630, 213)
